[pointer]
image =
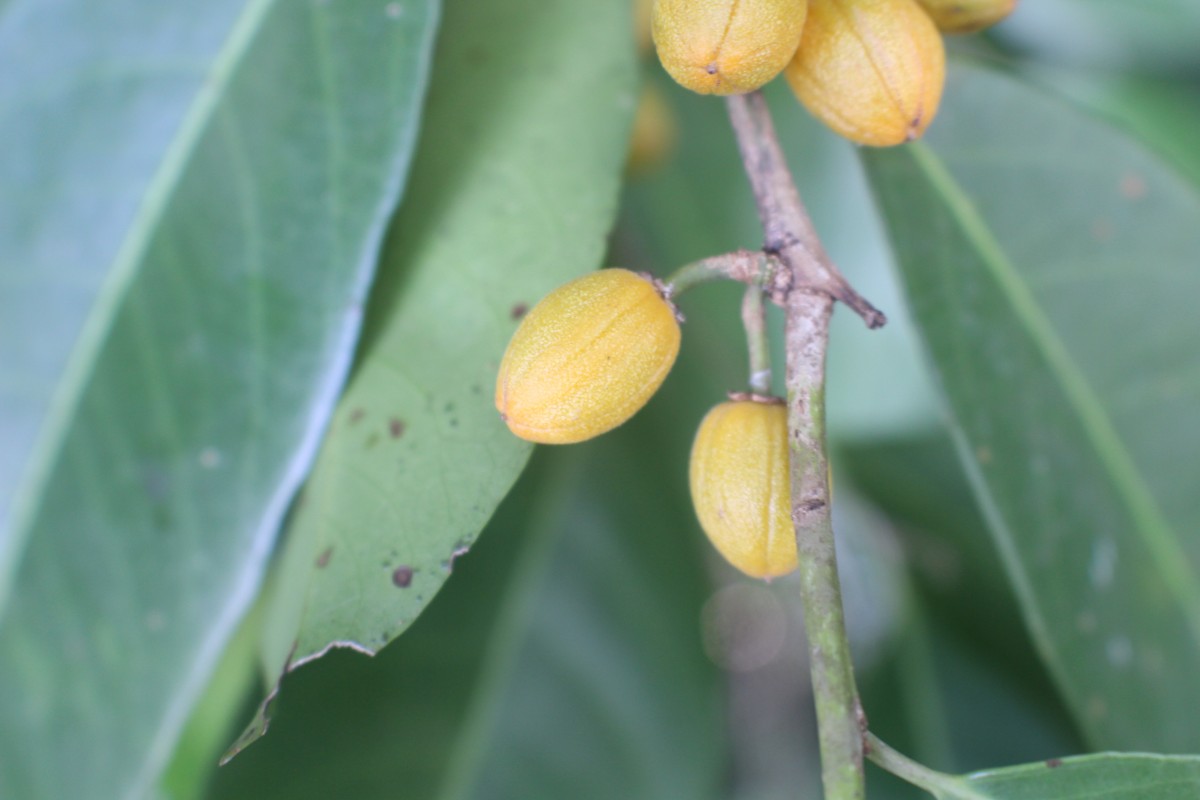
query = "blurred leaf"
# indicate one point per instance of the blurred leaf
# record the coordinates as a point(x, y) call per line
point(954, 564)
point(964, 655)
point(562, 659)
point(1158, 35)
point(513, 191)
point(190, 212)
point(211, 724)
point(1163, 113)
point(1051, 265)
point(941, 683)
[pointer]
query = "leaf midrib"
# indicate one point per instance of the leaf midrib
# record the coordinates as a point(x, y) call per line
point(1156, 532)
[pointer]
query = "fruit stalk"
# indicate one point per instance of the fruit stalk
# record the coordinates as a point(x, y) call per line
point(752, 267)
point(815, 285)
point(754, 320)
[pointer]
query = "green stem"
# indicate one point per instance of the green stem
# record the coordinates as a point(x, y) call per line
point(938, 784)
point(839, 715)
point(754, 320)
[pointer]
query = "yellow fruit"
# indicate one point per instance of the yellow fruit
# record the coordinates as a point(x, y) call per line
point(654, 133)
point(586, 358)
point(740, 486)
point(872, 70)
point(967, 16)
point(641, 25)
point(726, 46)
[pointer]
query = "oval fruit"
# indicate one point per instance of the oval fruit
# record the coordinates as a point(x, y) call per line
point(740, 486)
point(654, 133)
point(586, 358)
point(872, 70)
point(967, 16)
point(726, 46)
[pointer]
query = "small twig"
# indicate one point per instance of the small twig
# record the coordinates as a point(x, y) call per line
point(754, 320)
point(816, 283)
point(786, 224)
point(752, 267)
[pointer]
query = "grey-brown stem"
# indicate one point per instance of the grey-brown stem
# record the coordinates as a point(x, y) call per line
point(815, 284)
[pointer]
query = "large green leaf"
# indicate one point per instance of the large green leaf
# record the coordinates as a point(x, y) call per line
point(191, 203)
point(563, 659)
point(513, 191)
point(1051, 263)
point(1163, 113)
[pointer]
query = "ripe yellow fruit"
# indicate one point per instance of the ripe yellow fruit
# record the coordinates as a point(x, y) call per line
point(654, 133)
point(872, 70)
point(586, 358)
point(967, 16)
point(726, 46)
point(642, 10)
point(741, 486)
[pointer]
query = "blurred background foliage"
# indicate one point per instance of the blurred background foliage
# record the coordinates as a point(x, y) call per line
point(590, 644)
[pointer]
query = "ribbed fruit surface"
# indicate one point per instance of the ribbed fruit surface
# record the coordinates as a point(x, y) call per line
point(726, 46)
point(586, 358)
point(872, 70)
point(740, 486)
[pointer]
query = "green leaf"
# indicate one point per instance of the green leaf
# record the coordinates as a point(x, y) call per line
point(191, 204)
point(1163, 113)
point(1051, 265)
point(1157, 35)
point(1103, 776)
point(1110, 776)
point(562, 659)
point(513, 191)
point(213, 716)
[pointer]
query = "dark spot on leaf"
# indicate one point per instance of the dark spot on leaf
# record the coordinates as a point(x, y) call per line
point(1054, 763)
point(477, 389)
point(453, 423)
point(323, 559)
point(448, 407)
point(396, 428)
point(402, 576)
point(356, 415)
point(1133, 186)
point(372, 440)
point(519, 310)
